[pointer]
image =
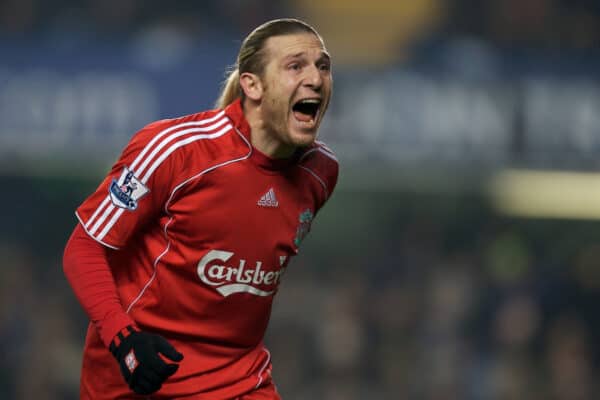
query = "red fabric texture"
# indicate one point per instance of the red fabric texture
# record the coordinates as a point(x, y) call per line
point(199, 228)
point(86, 267)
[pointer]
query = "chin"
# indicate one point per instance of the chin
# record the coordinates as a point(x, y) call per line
point(301, 135)
point(303, 139)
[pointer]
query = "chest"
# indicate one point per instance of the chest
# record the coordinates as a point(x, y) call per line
point(241, 209)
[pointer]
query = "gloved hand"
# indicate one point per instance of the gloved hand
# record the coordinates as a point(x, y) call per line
point(138, 356)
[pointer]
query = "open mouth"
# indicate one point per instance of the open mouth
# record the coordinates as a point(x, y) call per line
point(306, 110)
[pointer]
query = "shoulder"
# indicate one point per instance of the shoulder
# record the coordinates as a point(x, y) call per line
point(322, 163)
point(171, 130)
point(175, 149)
point(191, 139)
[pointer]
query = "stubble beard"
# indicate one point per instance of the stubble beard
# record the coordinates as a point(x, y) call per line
point(276, 118)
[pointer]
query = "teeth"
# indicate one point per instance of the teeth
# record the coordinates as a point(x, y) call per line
point(310, 101)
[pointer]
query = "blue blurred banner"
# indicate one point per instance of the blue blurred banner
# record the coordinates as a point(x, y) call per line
point(74, 101)
point(79, 101)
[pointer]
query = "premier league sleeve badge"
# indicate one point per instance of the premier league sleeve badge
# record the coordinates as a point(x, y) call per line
point(127, 190)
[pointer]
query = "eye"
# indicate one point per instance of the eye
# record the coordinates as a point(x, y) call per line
point(295, 66)
point(325, 67)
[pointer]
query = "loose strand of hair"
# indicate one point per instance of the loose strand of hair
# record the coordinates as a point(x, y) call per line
point(231, 89)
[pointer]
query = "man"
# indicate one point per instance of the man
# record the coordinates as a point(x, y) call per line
point(180, 251)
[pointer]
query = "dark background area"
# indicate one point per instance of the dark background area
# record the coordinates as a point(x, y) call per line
point(415, 282)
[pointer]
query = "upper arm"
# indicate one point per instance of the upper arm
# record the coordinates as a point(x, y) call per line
point(133, 192)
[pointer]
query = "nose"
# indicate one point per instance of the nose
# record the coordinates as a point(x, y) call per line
point(313, 78)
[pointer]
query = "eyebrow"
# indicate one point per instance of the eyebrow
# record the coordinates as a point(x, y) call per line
point(324, 55)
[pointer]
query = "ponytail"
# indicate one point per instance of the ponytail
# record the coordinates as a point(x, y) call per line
point(231, 89)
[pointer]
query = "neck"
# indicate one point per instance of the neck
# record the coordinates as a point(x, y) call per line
point(262, 138)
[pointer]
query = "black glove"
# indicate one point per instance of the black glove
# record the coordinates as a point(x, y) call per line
point(141, 365)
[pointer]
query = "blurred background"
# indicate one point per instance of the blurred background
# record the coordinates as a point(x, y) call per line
point(460, 255)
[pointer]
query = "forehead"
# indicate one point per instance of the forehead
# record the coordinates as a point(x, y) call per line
point(279, 47)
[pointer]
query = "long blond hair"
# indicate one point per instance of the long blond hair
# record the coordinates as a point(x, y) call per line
point(251, 57)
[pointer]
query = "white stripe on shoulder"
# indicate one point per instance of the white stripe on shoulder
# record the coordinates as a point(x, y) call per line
point(92, 236)
point(328, 154)
point(111, 222)
point(183, 142)
point(168, 135)
point(172, 137)
point(98, 210)
point(140, 157)
point(171, 129)
point(320, 150)
point(324, 146)
point(210, 169)
point(102, 218)
point(310, 171)
point(157, 163)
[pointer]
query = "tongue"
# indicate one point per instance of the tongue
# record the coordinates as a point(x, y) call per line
point(302, 117)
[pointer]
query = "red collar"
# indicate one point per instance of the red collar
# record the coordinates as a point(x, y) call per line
point(235, 112)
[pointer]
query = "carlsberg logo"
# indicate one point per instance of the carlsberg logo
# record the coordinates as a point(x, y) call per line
point(231, 280)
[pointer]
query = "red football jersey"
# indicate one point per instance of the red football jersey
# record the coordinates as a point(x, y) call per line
point(202, 226)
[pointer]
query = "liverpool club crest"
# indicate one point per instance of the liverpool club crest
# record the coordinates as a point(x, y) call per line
point(305, 219)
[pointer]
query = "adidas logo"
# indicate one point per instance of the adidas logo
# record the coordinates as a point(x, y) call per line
point(268, 199)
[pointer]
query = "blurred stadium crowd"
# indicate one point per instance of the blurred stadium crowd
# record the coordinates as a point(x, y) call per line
point(394, 296)
point(123, 19)
point(533, 23)
point(398, 293)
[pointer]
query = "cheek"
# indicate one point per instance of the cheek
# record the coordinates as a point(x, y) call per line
point(277, 101)
point(275, 111)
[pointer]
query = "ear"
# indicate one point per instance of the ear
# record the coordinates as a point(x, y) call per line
point(251, 85)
